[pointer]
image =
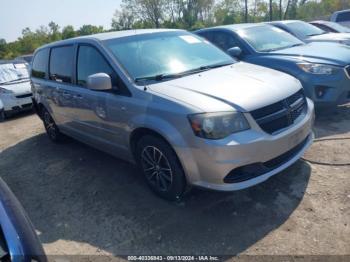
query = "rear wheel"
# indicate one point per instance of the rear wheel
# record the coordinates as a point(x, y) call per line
point(51, 128)
point(161, 168)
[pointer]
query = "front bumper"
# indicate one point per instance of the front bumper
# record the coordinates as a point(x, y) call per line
point(335, 89)
point(13, 103)
point(210, 161)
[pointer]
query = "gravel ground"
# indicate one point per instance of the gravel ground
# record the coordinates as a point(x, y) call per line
point(83, 201)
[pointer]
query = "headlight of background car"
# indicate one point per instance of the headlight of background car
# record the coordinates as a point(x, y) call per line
point(218, 125)
point(318, 69)
point(4, 91)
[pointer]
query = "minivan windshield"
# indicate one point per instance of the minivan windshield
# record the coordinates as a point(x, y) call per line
point(13, 72)
point(303, 29)
point(266, 38)
point(165, 55)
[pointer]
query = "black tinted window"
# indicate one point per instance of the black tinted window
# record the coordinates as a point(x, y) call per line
point(343, 17)
point(61, 64)
point(40, 63)
point(324, 27)
point(90, 62)
point(224, 40)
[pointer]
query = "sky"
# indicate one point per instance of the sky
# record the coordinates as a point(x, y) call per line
point(19, 14)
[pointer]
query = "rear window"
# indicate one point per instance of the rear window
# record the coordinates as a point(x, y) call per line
point(61, 64)
point(40, 63)
point(343, 17)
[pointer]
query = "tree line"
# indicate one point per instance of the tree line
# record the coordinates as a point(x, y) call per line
point(186, 14)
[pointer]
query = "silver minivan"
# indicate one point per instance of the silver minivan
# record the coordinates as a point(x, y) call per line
point(187, 113)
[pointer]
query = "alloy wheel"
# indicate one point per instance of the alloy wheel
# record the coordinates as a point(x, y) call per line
point(156, 168)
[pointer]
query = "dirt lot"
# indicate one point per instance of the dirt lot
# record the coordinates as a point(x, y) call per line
point(83, 201)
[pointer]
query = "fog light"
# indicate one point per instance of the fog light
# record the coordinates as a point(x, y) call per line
point(320, 91)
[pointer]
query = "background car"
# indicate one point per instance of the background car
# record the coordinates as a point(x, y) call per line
point(322, 68)
point(330, 27)
point(310, 33)
point(25, 58)
point(15, 88)
point(341, 17)
point(18, 240)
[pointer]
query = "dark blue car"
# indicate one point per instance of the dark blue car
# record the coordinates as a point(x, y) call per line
point(322, 68)
point(18, 240)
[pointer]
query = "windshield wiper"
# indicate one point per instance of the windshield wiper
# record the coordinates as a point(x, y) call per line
point(317, 34)
point(280, 48)
point(161, 77)
point(295, 45)
point(14, 80)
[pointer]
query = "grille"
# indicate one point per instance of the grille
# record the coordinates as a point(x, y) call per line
point(277, 116)
point(250, 171)
point(24, 96)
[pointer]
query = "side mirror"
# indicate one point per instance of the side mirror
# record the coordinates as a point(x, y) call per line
point(234, 51)
point(99, 82)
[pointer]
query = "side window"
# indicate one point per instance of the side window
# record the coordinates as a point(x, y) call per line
point(61, 64)
point(223, 40)
point(90, 61)
point(40, 63)
point(343, 17)
point(207, 35)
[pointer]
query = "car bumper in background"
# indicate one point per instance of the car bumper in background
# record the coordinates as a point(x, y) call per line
point(327, 90)
point(16, 103)
point(246, 158)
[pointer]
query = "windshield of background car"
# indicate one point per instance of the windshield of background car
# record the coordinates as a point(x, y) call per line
point(165, 53)
point(304, 29)
point(267, 38)
point(13, 72)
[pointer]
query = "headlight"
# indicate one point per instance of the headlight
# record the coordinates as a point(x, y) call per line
point(318, 69)
point(4, 91)
point(218, 125)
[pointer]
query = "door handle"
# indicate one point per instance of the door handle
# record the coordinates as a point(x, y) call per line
point(78, 96)
point(66, 94)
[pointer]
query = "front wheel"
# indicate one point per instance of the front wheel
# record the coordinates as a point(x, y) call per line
point(161, 167)
point(2, 115)
point(51, 128)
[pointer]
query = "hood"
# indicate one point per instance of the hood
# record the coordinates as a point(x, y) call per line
point(242, 86)
point(331, 53)
point(18, 88)
point(331, 37)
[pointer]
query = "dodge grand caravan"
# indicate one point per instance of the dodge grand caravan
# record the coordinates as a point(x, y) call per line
point(179, 107)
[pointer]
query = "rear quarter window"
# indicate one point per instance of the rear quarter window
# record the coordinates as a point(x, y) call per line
point(40, 63)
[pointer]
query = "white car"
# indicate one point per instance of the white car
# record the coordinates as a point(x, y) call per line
point(15, 88)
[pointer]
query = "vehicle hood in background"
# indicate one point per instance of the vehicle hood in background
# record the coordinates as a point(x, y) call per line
point(242, 86)
point(333, 37)
point(19, 88)
point(333, 53)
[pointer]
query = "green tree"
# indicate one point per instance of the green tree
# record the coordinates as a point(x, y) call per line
point(54, 32)
point(90, 29)
point(123, 19)
point(68, 32)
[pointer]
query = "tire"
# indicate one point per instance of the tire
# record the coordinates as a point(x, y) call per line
point(161, 168)
point(2, 116)
point(51, 128)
